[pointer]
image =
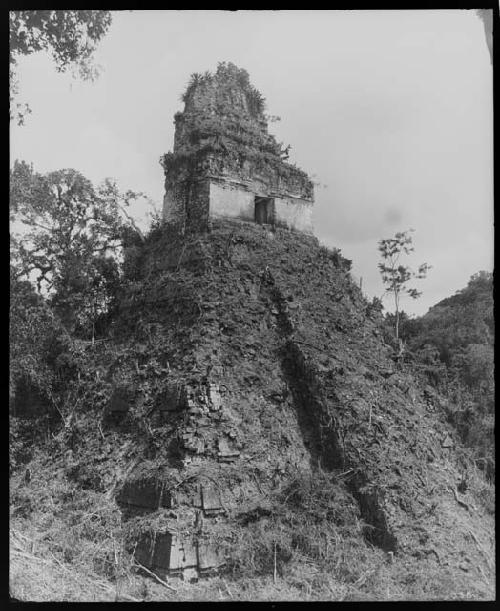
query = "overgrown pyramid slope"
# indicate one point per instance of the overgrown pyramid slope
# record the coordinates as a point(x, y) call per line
point(245, 369)
point(241, 417)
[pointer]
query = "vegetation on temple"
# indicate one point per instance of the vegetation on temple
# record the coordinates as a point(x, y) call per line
point(227, 137)
point(229, 73)
point(179, 298)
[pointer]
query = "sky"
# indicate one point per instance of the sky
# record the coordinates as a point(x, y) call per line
point(389, 112)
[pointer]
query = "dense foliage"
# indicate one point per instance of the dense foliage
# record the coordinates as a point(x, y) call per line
point(453, 345)
point(227, 71)
point(31, 329)
point(68, 240)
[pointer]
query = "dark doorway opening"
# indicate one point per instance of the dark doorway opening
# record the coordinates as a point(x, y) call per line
point(264, 210)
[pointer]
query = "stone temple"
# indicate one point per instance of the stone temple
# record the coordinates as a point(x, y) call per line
point(226, 164)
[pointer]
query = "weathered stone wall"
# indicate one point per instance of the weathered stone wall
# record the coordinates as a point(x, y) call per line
point(224, 157)
point(186, 201)
point(294, 213)
point(232, 201)
point(262, 178)
point(174, 201)
point(197, 213)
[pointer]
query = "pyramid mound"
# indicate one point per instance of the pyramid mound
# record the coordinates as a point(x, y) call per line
point(242, 418)
point(252, 417)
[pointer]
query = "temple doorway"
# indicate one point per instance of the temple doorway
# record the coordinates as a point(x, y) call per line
point(264, 210)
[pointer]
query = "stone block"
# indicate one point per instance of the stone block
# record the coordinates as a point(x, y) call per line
point(166, 553)
point(174, 554)
point(210, 501)
point(144, 550)
point(226, 452)
point(215, 397)
point(197, 502)
point(148, 494)
point(209, 558)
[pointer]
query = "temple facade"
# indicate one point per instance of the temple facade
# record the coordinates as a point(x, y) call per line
point(226, 164)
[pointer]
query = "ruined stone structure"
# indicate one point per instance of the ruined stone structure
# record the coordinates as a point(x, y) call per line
point(224, 162)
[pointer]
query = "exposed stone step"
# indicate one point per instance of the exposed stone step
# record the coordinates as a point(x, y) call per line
point(169, 554)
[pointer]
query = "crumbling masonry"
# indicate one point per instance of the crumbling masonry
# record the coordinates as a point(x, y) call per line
point(224, 162)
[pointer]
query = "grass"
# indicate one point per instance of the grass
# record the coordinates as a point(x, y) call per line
point(306, 544)
point(63, 538)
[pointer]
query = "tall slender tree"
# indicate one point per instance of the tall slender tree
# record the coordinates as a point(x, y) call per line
point(396, 276)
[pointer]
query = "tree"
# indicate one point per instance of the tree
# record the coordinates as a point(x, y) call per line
point(460, 320)
point(71, 239)
point(86, 294)
point(396, 276)
point(453, 344)
point(71, 37)
point(31, 324)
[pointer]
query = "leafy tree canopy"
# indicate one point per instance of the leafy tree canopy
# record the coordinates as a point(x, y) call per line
point(71, 238)
point(70, 36)
point(452, 345)
point(462, 319)
point(32, 326)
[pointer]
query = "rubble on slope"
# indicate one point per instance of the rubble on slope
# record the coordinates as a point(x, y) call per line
point(249, 361)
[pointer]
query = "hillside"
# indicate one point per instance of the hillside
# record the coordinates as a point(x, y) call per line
point(243, 419)
point(454, 345)
point(459, 321)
